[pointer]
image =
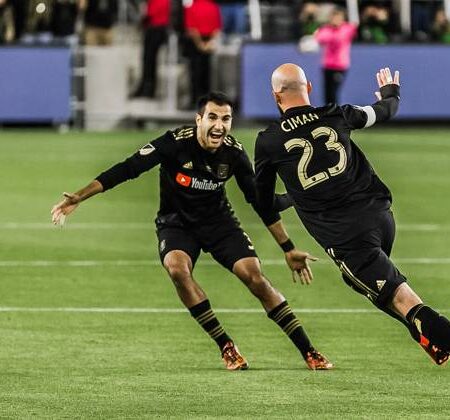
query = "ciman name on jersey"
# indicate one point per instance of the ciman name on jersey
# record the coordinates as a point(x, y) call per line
point(302, 119)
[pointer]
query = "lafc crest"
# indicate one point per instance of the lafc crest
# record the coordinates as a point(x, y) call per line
point(223, 170)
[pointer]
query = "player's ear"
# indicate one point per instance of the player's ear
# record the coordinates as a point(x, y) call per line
point(277, 97)
point(309, 87)
point(198, 119)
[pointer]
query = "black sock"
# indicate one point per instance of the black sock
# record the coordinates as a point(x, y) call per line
point(434, 327)
point(411, 328)
point(205, 316)
point(283, 316)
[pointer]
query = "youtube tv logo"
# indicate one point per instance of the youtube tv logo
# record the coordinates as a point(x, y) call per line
point(183, 180)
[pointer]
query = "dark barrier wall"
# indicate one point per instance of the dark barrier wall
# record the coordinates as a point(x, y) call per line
point(35, 84)
point(424, 77)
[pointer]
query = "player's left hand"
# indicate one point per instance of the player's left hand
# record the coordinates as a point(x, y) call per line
point(384, 78)
point(298, 262)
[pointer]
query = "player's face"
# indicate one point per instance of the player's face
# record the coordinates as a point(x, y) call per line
point(213, 125)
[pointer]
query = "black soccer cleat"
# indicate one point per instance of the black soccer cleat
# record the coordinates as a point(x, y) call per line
point(440, 357)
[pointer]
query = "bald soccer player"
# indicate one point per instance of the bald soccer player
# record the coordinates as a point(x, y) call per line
point(340, 199)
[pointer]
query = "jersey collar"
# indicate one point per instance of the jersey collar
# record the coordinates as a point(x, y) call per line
point(296, 110)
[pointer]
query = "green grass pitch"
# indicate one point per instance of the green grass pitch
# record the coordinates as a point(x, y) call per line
point(69, 351)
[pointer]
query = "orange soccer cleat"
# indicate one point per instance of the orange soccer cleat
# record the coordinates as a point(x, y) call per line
point(439, 356)
point(316, 361)
point(232, 358)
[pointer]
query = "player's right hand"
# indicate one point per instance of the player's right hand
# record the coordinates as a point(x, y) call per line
point(65, 207)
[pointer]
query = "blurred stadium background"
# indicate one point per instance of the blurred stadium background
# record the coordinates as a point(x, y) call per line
point(90, 324)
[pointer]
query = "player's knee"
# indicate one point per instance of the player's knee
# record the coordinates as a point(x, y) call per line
point(179, 272)
point(257, 283)
point(178, 265)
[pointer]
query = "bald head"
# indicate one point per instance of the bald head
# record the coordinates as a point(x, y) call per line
point(290, 77)
point(290, 87)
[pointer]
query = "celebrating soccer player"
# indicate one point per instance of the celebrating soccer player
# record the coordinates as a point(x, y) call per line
point(194, 215)
point(340, 199)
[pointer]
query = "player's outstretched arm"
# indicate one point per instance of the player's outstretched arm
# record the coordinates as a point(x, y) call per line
point(297, 261)
point(72, 200)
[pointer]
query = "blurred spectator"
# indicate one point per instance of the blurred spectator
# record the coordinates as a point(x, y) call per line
point(336, 38)
point(99, 19)
point(63, 20)
point(6, 22)
point(374, 24)
point(234, 16)
point(202, 24)
point(422, 13)
point(156, 26)
point(309, 18)
point(440, 29)
point(20, 9)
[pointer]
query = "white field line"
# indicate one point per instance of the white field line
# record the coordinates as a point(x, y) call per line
point(150, 263)
point(175, 310)
point(420, 227)
point(182, 310)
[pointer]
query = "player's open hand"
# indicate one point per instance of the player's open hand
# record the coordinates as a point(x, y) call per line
point(384, 78)
point(298, 262)
point(64, 208)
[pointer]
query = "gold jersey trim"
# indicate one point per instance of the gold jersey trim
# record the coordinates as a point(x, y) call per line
point(183, 134)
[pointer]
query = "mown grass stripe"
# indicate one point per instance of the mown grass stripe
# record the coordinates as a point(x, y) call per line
point(182, 310)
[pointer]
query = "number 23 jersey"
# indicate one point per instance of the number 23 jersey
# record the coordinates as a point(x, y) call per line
point(322, 168)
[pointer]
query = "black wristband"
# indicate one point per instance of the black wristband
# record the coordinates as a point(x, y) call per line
point(390, 91)
point(287, 246)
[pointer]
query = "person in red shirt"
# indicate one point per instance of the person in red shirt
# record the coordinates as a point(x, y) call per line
point(202, 22)
point(156, 23)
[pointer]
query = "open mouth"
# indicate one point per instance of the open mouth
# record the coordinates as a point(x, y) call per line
point(216, 135)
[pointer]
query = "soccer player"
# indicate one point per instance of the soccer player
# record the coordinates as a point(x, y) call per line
point(340, 199)
point(195, 214)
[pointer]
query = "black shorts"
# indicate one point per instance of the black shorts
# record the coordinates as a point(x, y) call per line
point(224, 240)
point(364, 261)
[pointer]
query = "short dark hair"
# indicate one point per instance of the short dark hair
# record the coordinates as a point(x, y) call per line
point(218, 98)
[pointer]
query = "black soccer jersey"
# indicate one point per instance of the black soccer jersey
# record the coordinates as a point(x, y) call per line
point(191, 178)
point(324, 172)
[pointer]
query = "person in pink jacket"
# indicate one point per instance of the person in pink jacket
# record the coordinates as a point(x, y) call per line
point(336, 39)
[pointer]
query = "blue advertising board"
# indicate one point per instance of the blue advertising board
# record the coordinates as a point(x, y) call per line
point(35, 84)
point(424, 71)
